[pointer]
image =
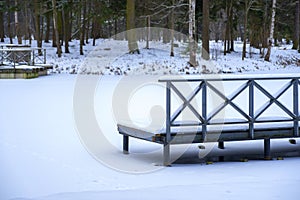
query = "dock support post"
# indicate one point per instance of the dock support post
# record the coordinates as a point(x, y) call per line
point(125, 144)
point(267, 149)
point(167, 159)
point(221, 146)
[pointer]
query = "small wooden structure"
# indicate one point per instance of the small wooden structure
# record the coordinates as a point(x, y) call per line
point(22, 61)
point(207, 127)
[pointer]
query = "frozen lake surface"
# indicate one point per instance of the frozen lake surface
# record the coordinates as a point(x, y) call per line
point(43, 157)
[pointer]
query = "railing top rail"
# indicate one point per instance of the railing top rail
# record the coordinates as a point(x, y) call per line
point(15, 45)
point(228, 77)
point(17, 49)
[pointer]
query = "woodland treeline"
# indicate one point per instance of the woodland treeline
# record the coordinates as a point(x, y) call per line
point(262, 23)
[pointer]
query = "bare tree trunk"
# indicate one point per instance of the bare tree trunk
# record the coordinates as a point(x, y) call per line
point(17, 26)
point(1, 26)
point(148, 19)
point(48, 21)
point(53, 35)
point(272, 27)
point(56, 28)
point(82, 26)
point(205, 37)
point(192, 28)
point(297, 21)
point(228, 33)
point(71, 21)
point(231, 38)
point(130, 23)
point(264, 32)
point(26, 21)
point(66, 20)
point(9, 23)
point(87, 28)
point(245, 29)
point(94, 27)
point(94, 32)
point(172, 29)
point(37, 24)
point(166, 32)
point(60, 26)
point(299, 27)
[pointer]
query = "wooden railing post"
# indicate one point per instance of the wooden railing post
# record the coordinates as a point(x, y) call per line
point(33, 57)
point(44, 56)
point(204, 110)
point(296, 106)
point(251, 109)
point(167, 161)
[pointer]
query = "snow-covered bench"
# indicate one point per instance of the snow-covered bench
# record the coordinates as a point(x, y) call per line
point(224, 108)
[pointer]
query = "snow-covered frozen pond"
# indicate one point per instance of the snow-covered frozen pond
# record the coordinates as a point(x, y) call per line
point(43, 158)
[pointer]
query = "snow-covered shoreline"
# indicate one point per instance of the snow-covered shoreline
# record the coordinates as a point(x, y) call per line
point(110, 57)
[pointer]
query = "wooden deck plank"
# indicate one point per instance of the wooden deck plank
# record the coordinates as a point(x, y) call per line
point(186, 136)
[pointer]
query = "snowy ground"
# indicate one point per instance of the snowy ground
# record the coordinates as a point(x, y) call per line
point(110, 57)
point(43, 154)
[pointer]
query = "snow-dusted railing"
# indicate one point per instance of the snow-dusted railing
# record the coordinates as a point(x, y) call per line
point(13, 54)
point(250, 116)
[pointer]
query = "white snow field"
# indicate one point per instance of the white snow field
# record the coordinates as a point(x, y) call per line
point(43, 155)
point(110, 57)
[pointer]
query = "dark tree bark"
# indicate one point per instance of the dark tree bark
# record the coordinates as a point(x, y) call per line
point(192, 30)
point(60, 26)
point(172, 29)
point(205, 36)
point(1, 25)
point(228, 27)
point(231, 30)
point(148, 22)
point(299, 25)
point(37, 24)
point(272, 27)
point(247, 7)
point(48, 23)
point(17, 25)
point(71, 21)
point(66, 21)
point(94, 30)
point(88, 23)
point(27, 22)
point(297, 21)
point(8, 23)
point(130, 26)
point(53, 35)
point(56, 28)
point(82, 26)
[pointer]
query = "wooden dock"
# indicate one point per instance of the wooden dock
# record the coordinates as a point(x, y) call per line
point(24, 71)
point(22, 62)
point(207, 123)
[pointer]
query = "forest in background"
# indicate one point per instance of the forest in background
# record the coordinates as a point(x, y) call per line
point(258, 22)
